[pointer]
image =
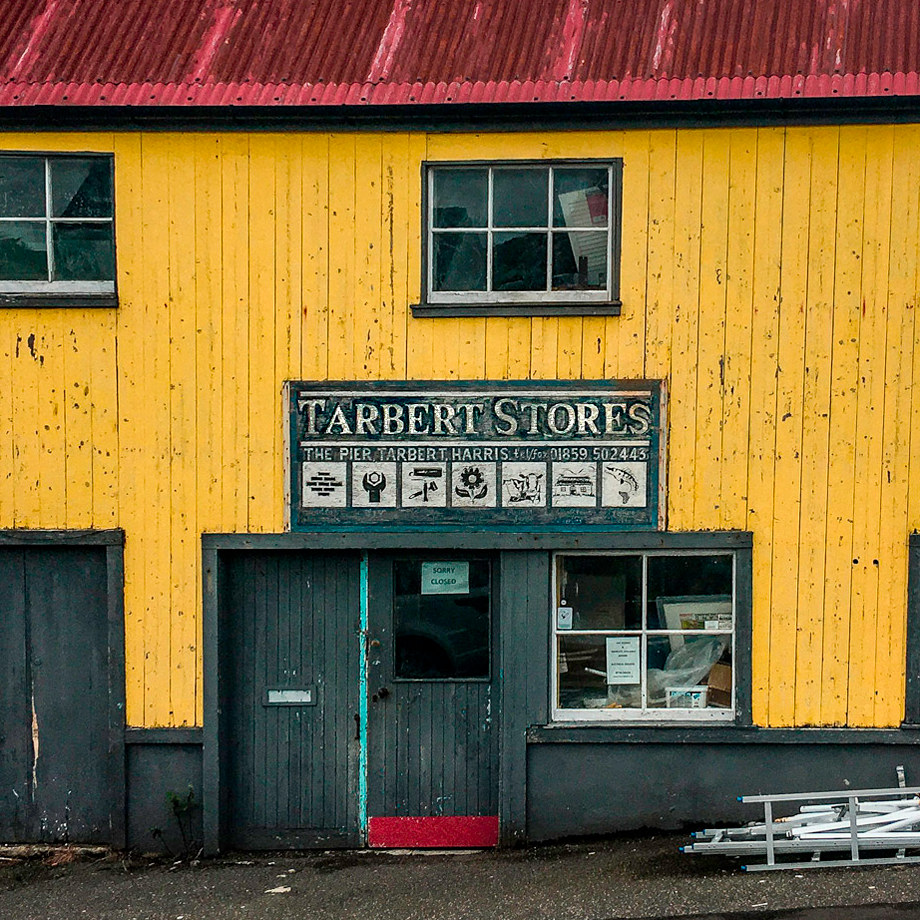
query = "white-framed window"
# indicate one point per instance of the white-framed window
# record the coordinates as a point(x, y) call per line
point(56, 225)
point(644, 636)
point(518, 233)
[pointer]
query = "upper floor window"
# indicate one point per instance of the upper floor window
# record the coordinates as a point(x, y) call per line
point(522, 238)
point(56, 229)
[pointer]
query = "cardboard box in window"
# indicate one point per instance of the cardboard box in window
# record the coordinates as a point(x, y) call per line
point(599, 601)
point(720, 685)
point(686, 697)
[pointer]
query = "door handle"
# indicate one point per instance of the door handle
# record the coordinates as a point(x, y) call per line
point(357, 726)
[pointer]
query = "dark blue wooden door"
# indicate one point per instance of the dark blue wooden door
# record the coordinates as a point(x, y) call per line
point(56, 760)
point(290, 744)
point(432, 701)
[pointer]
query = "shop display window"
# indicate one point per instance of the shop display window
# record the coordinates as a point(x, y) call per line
point(644, 636)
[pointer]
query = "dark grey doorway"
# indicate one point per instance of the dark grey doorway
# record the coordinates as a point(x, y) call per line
point(61, 772)
point(432, 707)
point(290, 736)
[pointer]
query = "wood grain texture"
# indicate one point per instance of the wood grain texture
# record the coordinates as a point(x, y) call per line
point(768, 275)
point(768, 205)
point(57, 755)
point(290, 770)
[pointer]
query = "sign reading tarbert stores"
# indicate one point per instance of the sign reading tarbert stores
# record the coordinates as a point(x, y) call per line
point(512, 454)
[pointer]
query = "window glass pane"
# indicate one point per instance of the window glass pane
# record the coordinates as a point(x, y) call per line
point(689, 592)
point(22, 187)
point(83, 252)
point(679, 669)
point(519, 197)
point(23, 251)
point(461, 198)
point(441, 635)
point(519, 261)
point(592, 677)
point(603, 592)
point(81, 188)
point(459, 262)
point(580, 261)
point(580, 197)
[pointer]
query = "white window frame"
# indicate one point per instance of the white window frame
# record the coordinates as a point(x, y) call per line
point(8, 287)
point(658, 714)
point(547, 296)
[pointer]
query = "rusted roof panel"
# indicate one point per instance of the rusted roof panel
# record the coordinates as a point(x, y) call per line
point(392, 52)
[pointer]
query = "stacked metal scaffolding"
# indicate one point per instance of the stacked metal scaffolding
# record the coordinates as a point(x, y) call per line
point(882, 822)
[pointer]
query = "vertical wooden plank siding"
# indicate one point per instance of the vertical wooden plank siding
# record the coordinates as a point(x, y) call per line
point(365, 231)
point(815, 432)
point(870, 400)
point(710, 344)
point(851, 194)
point(682, 370)
point(789, 376)
point(157, 459)
point(660, 297)
point(769, 275)
point(236, 247)
point(768, 213)
point(52, 443)
point(208, 364)
point(183, 518)
point(900, 380)
point(263, 403)
point(736, 360)
point(131, 410)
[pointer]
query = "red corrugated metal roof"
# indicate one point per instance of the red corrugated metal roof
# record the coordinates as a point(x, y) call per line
point(390, 52)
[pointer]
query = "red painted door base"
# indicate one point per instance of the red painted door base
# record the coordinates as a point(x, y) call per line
point(448, 831)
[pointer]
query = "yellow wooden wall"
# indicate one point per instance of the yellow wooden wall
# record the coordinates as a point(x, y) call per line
point(770, 275)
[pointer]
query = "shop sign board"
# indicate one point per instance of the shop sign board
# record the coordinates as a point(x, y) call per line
point(496, 454)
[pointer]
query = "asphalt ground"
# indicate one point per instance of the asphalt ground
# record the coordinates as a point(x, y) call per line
point(598, 880)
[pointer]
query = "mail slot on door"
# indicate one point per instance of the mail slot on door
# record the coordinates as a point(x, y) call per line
point(290, 696)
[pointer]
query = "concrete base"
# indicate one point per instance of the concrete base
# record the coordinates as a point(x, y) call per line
point(582, 789)
point(584, 780)
point(162, 772)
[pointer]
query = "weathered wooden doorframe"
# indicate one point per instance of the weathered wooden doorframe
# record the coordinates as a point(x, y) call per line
point(113, 540)
point(213, 546)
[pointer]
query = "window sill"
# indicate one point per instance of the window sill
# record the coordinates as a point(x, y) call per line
point(703, 733)
point(57, 300)
point(610, 308)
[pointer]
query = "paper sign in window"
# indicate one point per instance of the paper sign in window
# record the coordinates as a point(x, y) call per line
point(622, 660)
point(445, 578)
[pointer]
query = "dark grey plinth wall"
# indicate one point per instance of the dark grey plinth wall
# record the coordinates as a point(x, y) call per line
point(577, 789)
point(161, 762)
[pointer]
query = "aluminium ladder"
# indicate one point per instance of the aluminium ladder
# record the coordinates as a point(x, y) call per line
point(883, 823)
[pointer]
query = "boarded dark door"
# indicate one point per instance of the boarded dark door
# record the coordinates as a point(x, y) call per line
point(433, 701)
point(56, 765)
point(289, 695)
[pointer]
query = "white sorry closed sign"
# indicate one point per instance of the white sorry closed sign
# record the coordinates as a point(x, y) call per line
point(445, 578)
